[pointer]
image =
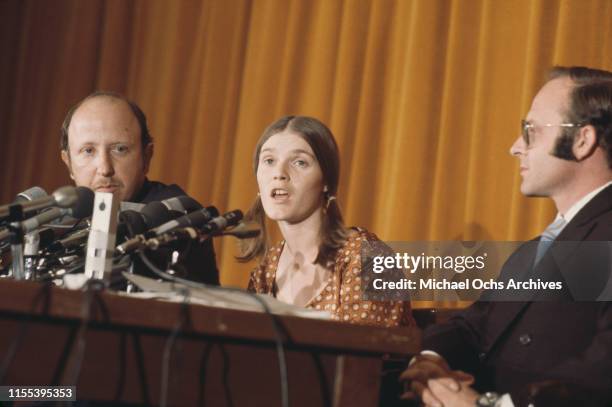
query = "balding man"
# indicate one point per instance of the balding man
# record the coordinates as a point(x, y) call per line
point(106, 145)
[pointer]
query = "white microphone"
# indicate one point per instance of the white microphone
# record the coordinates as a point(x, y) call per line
point(102, 236)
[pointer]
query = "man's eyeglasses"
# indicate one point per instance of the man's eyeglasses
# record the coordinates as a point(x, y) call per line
point(528, 129)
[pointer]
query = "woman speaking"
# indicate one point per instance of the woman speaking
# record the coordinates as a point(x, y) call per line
point(318, 263)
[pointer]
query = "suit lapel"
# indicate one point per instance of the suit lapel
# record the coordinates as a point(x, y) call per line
point(503, 314)
point(600, 204)
point(576, 231)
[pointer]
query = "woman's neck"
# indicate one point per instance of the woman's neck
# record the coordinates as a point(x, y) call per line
point(304, 237)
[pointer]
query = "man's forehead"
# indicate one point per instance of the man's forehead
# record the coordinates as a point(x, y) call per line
point(104, 109)
point(553, 97)
point(104, 119)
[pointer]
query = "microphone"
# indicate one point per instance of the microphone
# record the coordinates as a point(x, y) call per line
point(151, 215)
point(215, 225)
point(82, 207)
point(102, 236)
point(32, 242)
point(188, 233)
point(30, 194)
point(77, 238)
point(63, 197)
point(244, 230)
point(183, 204)
point(46, 236)
point(194, 219)
point(36, 239)
point(222, 222)
point(137, 220)
point(131, 206)
point(154, 214)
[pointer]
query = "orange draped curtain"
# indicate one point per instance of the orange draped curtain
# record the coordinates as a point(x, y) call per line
point(424, 97)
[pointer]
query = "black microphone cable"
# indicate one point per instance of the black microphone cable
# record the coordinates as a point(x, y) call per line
point(278, 331)
point(184, 252)
point(165, 372)
point(206, 352)
point(92, 287)
point(69, 227)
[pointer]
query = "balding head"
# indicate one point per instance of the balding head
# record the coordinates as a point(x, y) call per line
point(104, 146)
point(145, 136)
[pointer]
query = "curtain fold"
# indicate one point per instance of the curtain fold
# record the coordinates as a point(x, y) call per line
point(424, 97)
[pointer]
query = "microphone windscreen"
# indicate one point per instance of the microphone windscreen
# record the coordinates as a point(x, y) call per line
point(84, 204)
point(65, 197)
point(156, 213)
point(131, 223)
point(233, 217)
point(247, 230)
point(31, 194)
point(131, 206)
point(214, 212)
point(183, 204)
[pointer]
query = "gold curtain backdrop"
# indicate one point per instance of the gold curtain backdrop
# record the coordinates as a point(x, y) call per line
point(424, 97)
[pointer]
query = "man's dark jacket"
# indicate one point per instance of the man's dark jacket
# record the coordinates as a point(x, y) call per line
point(200, 264)
point(510, 346)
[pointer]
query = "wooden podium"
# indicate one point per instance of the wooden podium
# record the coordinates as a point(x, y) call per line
point(119, 349)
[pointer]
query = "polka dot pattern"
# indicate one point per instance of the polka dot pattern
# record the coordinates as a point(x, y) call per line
point(343, 294)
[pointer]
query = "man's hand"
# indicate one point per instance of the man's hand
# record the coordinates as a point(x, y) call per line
point(444, 392)
point(426, 367)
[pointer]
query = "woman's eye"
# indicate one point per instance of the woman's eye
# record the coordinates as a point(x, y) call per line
point(300, 163)
point(88, 150)
point(268, 161)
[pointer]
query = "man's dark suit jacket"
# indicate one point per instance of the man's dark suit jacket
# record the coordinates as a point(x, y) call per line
point(511, 345)
point(200, 264)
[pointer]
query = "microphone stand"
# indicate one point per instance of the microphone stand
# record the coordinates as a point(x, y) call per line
point(15, 237)
point(130, 287)
point(30, 251)
point(16, 240)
